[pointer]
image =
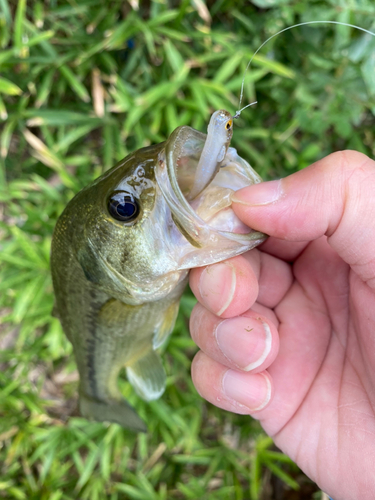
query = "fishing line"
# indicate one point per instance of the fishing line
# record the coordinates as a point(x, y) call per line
point(237, 114)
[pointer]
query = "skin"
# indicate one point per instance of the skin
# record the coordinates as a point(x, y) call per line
point(294, 344)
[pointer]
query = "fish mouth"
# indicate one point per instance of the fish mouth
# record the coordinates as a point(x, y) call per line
point(207, 222)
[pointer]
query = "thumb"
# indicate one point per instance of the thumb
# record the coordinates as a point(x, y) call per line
point(334, 197)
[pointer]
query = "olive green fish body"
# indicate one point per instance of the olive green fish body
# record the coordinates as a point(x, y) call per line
point(108, 335)
point(121, 252)
point(114, 320)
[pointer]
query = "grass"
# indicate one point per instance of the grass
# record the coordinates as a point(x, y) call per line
point(83, 84)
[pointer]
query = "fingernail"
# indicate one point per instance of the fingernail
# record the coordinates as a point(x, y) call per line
point(244, 341)
point(259, 194)
point(217, 285)
point(252, 391)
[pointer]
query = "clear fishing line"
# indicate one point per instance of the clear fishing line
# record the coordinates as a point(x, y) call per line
point(237, 113)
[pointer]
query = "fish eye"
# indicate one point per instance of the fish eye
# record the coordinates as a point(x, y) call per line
point(228, 124)
point(123, 206)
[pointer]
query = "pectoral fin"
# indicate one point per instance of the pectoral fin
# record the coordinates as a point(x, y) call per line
point(147, 376)
point(165, 327)
point(119, 412)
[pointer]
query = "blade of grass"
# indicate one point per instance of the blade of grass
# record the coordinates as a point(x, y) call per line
point(18, 25)
point(74, 83)
point(8, 87)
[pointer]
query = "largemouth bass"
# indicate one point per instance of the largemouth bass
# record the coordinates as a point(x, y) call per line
point(121, 252)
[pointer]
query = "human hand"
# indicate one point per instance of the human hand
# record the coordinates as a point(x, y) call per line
point(287, 332)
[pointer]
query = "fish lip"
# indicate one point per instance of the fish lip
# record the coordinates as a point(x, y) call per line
point(199, 233)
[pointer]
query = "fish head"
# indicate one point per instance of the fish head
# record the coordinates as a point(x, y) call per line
point(140, 235)
point(122, 240)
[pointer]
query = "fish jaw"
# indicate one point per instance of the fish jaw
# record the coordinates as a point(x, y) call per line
point(207, 229)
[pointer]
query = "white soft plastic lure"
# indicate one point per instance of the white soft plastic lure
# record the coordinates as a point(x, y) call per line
point(219, 135)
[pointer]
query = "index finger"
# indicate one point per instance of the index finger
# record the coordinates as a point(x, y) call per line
point(227, 288)
point(231, 287)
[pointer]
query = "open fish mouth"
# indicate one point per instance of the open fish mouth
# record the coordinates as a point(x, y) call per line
point(207, 222)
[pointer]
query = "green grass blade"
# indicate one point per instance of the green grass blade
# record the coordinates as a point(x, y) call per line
point(18, 25)
point(75, 83)
point(8, 87)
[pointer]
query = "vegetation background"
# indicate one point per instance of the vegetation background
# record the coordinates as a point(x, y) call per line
point(82, 84)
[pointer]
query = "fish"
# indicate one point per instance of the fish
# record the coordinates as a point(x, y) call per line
point(122, 250)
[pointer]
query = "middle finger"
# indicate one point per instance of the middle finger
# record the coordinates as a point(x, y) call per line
point(248, 342)
point(231, 287)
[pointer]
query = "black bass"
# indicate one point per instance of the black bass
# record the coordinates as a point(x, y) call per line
point(121, 252)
